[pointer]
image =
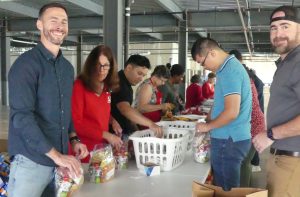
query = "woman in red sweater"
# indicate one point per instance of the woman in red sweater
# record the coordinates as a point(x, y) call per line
point(208, 88)
point(91, 99)
point(194, 93)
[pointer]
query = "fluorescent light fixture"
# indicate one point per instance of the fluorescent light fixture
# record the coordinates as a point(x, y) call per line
point(24, 42)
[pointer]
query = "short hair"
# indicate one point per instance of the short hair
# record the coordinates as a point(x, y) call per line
point(290, 13)
point(51, 5)
point(211, 75)
point(202, 43)
point(177, 69)
point(138, 60)
point(237, 54)
point(161, 71)
point(91, 67)
point(195, 79)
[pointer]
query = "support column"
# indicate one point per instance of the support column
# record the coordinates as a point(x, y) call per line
point(182, 50)
point(79, 55)
point(113, 28)
point(5, 61)
point(127, 29)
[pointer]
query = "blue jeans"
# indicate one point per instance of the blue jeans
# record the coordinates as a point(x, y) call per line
point(226, 160)
point(29, 179)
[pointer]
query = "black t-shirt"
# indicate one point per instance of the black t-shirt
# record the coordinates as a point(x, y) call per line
point(125, 94)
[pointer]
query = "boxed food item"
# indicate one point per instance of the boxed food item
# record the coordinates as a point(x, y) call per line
point(102, 164)
point(204, 190)
point(151, 169)
point(66, 183)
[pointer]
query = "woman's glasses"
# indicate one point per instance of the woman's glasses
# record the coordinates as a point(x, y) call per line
point(104, 67)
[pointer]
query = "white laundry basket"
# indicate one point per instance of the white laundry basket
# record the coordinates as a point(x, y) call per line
point(182, 125)
point(168, 152)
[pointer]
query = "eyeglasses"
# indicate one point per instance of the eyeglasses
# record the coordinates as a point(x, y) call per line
point(205, 58)
point(104, 67)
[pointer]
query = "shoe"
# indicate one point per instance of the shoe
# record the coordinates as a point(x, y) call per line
point(256, 168)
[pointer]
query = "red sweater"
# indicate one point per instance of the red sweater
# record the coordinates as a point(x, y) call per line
point(208, 90)
point(193, 95)
point(90, 114)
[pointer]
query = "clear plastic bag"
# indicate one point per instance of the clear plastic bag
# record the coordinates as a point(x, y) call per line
point(102, 164)
point(201, 145)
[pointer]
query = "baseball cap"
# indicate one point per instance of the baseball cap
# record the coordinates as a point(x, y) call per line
point(290, 14)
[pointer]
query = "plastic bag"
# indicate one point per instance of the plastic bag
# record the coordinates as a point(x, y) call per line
point(102, 164)
point(66, 183)
point(201, 145)
point(121, 156)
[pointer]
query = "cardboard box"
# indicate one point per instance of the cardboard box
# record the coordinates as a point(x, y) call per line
point(204, 190)
point(151, 169)
point(3, 145)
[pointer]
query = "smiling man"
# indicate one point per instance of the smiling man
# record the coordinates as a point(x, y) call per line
point(283, 116)
point(40, 87)
point(229, 120)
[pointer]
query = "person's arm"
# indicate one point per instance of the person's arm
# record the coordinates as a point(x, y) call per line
point(205, 91)
point(289, 129)
point(115, 126)
point(230, 112)
point(144, 98)
point(199, 97)
point(23, 85)
point(136, 117)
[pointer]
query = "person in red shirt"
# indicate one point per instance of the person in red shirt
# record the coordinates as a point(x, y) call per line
point(194, 93)
point(208, 88)
point(148, 99)
point(91, 99)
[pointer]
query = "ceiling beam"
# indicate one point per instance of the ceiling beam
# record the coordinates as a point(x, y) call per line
point(88, 5)
point(171, 6)
point(19, 9)
point(147, 31)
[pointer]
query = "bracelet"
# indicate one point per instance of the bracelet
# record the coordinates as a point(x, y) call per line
point(74, 138)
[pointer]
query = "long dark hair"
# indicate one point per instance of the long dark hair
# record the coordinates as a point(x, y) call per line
point(91, 68)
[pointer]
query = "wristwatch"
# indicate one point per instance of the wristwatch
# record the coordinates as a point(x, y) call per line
point(74, 138)
point(270, 134)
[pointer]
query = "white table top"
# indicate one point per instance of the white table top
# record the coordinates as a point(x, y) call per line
point(132, 183)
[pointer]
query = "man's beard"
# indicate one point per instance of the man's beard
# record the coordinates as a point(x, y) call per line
point(291, 44)
point(53, 40)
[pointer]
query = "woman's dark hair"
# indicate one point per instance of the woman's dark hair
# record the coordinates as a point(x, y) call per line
point(51, 5)
point(161, 71)
point(195, 79)
point(211, 75)
point(91, 68)
point(177, 70)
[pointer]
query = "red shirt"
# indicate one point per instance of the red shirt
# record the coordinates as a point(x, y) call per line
point(193, 95)
point(208, 90)
point(90, 113)
point(257, 117)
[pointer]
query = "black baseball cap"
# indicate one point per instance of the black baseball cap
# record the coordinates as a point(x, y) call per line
point(290, 13)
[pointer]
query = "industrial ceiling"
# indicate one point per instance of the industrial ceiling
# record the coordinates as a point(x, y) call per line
point(235, 24)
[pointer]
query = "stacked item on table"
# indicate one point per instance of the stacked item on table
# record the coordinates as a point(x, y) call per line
point(66, 182)
point(4, 173)
point(121, 156)
point(197, 110)
point(102, 164)
point(168, 151)
point(201, 145)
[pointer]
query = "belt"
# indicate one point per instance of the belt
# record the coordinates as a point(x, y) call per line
point(284, 152)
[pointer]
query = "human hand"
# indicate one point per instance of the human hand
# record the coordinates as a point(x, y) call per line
point(202, 127)
point(167, 106)
point(158, 132)
point(116, 127)
point(80, 150)
point(114, 140)
point(67, 161)
point(261, 142)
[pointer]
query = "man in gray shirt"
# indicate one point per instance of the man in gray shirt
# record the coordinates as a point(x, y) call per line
point(283, 115)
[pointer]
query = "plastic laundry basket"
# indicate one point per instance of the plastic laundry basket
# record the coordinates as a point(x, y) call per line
point(168, 152)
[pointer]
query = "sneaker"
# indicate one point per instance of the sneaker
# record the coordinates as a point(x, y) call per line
point(256, 168)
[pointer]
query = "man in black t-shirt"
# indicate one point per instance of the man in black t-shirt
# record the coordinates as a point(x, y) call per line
point(136, 68)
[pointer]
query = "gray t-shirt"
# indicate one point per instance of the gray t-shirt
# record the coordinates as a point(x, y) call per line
point(284, 104)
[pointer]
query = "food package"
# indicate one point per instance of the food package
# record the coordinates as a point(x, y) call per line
point(194, 110)
point(102, 164)
point(67, 183)
point(121, 156)
point(201, 145)
point(4, 172)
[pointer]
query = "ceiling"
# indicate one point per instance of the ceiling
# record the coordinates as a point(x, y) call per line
point(155, 21)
